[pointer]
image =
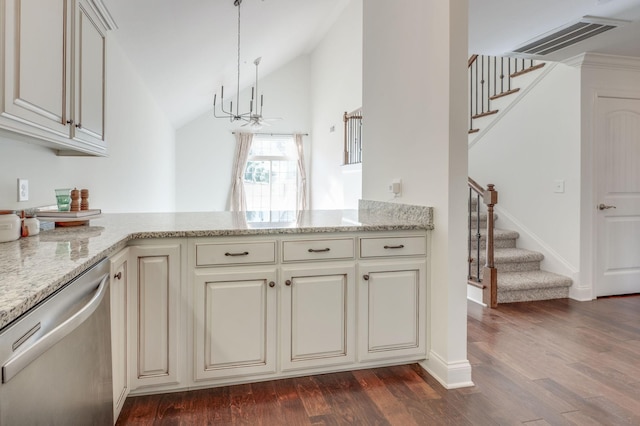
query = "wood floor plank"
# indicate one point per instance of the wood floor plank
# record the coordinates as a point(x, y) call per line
point(395, 411)
point(349, 401)
point(312, 397)
point(292, 407)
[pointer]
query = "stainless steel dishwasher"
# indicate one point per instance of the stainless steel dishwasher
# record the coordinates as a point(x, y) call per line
point(56, 359)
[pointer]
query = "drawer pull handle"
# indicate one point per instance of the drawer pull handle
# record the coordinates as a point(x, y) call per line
point(272, 284)
point(287, 282)
point(395, 247)
point(244, 253)
point(118, 276)
point(319, 250)
point(365, 277)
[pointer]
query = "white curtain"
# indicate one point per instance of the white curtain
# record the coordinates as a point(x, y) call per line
point(238, 200)
point(302, 172)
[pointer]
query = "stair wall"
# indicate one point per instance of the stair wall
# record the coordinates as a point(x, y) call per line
point(536, 144)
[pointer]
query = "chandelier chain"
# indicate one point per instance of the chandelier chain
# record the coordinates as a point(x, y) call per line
point(238, 3)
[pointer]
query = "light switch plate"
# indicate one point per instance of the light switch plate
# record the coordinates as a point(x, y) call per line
point(23, 189)
point(558, 186)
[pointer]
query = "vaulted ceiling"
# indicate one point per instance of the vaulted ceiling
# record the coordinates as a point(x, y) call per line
point(184, 50)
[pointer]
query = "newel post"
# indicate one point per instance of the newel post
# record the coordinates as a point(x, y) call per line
point(490, 273)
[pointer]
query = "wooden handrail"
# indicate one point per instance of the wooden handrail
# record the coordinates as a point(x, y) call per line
point(476, 186)
point(488, 279)
point(472, 59)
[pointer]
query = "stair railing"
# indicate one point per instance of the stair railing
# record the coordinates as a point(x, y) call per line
point(490, 79)
point(487, 277)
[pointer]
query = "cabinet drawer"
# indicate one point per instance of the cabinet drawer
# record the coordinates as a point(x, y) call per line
point(235, 253)
point(317, 249)
point(393, 246)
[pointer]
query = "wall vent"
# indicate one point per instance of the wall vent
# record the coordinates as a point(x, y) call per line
point(569, 35)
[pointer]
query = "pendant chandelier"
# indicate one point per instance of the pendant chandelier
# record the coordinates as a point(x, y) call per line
point(252, 118)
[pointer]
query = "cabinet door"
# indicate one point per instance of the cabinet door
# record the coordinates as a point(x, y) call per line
point(89, 94)
point(392, 310)
point(235, 329)
point(37, 63)
point(154, 300)
point(318, 316)
point(119, 330)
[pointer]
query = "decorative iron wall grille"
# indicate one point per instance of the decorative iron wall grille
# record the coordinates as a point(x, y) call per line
point(353, 137)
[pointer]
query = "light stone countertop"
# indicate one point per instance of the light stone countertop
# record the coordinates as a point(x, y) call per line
point(33, 268)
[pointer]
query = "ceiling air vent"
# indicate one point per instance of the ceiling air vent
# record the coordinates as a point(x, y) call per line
point(569, 35)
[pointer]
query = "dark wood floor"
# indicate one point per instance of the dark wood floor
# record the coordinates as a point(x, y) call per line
point(556, 362)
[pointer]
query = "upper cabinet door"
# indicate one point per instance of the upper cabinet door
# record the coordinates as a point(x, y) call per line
point(89, 96)
point(37, 61)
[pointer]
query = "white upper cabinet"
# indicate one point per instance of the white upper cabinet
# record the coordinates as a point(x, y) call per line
point(37, 63)
point(53, 76)
point(89, 93)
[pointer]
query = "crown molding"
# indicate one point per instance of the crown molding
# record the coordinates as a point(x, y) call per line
point(604, 61)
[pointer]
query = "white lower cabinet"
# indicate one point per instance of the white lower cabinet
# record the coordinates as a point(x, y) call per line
point(235, 323)
point(392, 309)
point(317, 316)
point(119, 329)
point(265, 307)
point(155, 300)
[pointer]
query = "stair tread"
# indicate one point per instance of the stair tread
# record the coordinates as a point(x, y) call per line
point(515, 281)
point(499, 234)
point(513, 255)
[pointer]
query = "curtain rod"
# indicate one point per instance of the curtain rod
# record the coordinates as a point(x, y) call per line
point(277, 134)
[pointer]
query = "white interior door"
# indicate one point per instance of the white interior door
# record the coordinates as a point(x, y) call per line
point(617, 169)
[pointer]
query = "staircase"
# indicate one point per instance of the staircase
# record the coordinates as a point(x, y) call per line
point(519, 275)
point(510, 274)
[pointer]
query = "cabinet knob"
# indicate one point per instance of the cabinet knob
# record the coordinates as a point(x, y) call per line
point(365, 277)
point(118, 276)
point(78, 126)
point(272, 284)
point(69, 121)
point(287, 282)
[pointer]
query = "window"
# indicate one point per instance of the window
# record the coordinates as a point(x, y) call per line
point(271, 178)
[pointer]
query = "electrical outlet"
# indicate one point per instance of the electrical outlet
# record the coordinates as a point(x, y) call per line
point(23, 189)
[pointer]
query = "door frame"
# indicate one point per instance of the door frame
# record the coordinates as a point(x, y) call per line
point(589, 191)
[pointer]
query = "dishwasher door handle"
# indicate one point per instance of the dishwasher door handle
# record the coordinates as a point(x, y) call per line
point(16, 364)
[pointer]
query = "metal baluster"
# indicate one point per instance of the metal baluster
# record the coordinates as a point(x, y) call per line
point(478, 238)
point(471, 97)
point(469, 276)
point(482, 83)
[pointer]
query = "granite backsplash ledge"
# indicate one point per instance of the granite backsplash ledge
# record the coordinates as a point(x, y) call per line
point(369, 210)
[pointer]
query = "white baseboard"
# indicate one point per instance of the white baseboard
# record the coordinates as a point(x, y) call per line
point(450, 375)
point(474, 294)
point(581, 294)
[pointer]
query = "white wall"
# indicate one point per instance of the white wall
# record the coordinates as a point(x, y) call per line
point(336, 88)
point(414, 103)
point(205, 146)
point(536, 143)
point(138, 175)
